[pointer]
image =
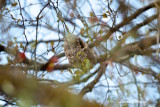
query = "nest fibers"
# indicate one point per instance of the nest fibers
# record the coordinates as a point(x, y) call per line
point(78, 52)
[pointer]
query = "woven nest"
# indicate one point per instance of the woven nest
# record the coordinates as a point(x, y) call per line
point(77, 51)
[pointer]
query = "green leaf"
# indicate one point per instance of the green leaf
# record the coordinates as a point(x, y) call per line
point(88, 64)
point(78, 72)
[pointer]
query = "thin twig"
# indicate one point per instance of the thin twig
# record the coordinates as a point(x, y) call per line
point(23, 25)
point(37, 18)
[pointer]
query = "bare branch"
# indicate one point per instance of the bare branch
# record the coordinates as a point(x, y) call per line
point(90, 86)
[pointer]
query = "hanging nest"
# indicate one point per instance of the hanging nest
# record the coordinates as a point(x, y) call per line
point(78, 52)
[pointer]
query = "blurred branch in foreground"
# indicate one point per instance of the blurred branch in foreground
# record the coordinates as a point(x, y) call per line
point(31, 92)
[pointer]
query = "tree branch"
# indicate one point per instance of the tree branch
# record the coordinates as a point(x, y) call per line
point(124, 22)
point(90, 86)
point(44, 94)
